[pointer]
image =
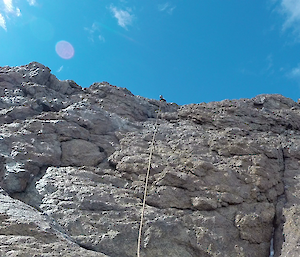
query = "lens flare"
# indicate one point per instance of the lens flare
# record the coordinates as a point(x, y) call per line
point(64, 49)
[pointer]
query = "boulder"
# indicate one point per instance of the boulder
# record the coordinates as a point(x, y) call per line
point(78, 152)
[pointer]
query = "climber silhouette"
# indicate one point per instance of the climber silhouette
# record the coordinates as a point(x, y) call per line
point(162, 98)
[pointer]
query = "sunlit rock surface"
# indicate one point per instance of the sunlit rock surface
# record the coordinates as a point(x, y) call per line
point(224, 178)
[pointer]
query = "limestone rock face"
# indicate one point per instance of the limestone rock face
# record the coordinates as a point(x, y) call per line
point(25, 231)
point(224, 178)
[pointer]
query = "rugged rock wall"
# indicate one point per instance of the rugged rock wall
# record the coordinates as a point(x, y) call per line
point(224, 178)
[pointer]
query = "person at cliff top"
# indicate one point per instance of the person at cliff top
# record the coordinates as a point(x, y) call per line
point(162, 98)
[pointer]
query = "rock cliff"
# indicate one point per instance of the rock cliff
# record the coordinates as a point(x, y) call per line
point(224, 178)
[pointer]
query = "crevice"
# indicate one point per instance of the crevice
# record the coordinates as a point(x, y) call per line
point(87, 247)
point(112, 165)
point(278, 221)
point(272, 245)
point(168, 207)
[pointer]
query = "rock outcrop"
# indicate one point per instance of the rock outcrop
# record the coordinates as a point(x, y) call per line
point(224, 178)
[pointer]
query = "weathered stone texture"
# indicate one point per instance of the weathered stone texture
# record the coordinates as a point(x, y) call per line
point(78, 152)
point(224, 177)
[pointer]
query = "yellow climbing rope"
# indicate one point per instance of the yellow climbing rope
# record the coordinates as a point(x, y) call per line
point(146, 185)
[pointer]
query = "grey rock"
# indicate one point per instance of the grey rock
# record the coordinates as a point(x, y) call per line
point(224, 176)
point(122, 102)
point(27, 232)
point(78, 152)
point(14, 178)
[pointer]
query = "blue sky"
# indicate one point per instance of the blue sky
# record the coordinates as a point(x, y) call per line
point(190, 51)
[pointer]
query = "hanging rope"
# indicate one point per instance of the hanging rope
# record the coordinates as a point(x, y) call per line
point(146, 184)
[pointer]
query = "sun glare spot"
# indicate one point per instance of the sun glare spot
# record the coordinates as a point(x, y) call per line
point(64, 49)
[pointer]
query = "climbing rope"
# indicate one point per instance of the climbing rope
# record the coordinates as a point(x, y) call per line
point(146, 184)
